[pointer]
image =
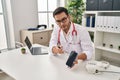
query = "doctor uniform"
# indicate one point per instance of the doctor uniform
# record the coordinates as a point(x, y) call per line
point(81, 43)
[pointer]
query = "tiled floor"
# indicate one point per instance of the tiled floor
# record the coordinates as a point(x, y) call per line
point(4, 76)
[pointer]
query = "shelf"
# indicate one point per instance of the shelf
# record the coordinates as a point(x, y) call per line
point(90, 12)
point(108, 49)
point(108, 11)
point(90, 29)
point(94, 12)
point(108, 31)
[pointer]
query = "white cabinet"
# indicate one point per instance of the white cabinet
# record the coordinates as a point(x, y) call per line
point(106, 34)
point(37, 37)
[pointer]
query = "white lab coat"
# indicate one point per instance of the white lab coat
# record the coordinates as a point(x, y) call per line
point(81, 43)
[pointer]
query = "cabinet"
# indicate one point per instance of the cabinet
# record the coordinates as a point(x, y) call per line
point(106, 34)
point(37, 37)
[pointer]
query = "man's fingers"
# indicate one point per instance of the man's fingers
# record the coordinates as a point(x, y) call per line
point(59, 47)
point(60, 50)
point(75, 62)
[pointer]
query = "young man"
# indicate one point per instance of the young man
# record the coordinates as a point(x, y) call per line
point(68, 36)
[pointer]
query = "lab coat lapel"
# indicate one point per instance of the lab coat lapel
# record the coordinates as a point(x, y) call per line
point(70, 34)
point(62, 37)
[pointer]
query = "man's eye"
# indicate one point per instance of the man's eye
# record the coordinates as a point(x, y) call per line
point(58, 21)
point(63, 19)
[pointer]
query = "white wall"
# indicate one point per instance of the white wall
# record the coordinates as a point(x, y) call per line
point(24, 15)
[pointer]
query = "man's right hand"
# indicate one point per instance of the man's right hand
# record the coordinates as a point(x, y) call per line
point(57, 50)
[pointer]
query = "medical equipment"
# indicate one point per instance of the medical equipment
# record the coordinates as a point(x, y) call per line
point(74, 33)
point(71, 59)
point(95, 66)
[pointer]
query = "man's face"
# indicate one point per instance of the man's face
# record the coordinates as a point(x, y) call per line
point(63, 21)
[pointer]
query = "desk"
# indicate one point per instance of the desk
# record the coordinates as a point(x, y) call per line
point(46, 67)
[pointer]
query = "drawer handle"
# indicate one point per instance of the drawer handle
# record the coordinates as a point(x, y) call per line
point(41, 37)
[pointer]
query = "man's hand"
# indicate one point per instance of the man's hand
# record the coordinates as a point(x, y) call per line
point(81, 56)
point(57, 50)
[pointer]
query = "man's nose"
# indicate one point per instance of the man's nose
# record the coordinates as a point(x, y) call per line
point(61, 23)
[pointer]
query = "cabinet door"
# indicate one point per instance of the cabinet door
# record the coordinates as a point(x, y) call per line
point(105, 4)
point(92, 5)
point(41, 38)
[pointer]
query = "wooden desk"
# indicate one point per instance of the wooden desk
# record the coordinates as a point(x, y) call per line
point(47, 67)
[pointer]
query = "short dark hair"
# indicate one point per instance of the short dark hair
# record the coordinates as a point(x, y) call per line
point(60, 10)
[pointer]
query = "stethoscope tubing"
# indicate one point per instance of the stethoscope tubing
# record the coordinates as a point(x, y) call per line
point(73, 32)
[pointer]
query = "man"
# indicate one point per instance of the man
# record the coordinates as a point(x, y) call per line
point(68, 36)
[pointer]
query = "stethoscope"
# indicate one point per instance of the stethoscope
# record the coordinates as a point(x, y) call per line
point(74, 33)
